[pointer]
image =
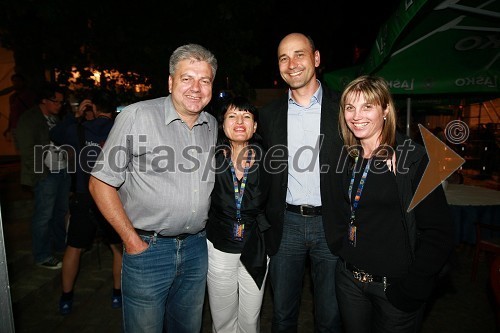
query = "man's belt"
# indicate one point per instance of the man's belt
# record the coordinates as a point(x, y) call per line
point(304, 210)
point(153, 233)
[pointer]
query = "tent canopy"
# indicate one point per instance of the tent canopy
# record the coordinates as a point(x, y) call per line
point(435, 47)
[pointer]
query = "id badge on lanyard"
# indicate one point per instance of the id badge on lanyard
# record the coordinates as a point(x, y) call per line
point(351, 236)
point(238, 233)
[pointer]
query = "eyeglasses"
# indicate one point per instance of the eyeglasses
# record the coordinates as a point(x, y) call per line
point(57, 102)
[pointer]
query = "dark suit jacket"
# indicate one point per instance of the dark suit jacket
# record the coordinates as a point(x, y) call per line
point(32, 130)
point(273, 129)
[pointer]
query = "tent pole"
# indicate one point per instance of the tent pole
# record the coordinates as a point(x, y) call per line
point(6, 314)
point(408, 113)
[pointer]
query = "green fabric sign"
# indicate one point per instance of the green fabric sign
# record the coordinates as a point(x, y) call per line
point(435, 47)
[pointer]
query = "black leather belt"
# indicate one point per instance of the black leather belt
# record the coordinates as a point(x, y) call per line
point(363, 276)
point(152, 233)
point(304, 210)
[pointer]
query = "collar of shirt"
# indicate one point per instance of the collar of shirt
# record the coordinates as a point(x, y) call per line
point(172, 115)
point(51, 121)
point(316, 97)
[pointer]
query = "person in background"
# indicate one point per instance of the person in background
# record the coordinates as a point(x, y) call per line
point(20, 100)
point(86, 110)
point(43, 168)
point(237, 260)
point(153, 184)
point(389, 257)
point(301, 135)
point(86, 139)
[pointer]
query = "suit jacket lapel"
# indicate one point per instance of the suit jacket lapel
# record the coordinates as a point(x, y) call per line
point(281, 125)
point(329, 125)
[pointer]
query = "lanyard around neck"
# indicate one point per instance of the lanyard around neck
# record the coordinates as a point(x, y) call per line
point(354, 204)
point(240, 190)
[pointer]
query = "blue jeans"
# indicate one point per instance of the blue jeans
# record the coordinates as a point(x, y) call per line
point(365, 308)
point(164, 286)
point(303, 237)
point(48, 222)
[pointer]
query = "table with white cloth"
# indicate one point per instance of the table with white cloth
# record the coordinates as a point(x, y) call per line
point(470, 204)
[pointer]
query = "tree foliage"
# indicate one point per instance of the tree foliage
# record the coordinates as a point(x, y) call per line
point(131, 36)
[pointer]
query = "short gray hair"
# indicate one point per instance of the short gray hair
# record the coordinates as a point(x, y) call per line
point(192, 51)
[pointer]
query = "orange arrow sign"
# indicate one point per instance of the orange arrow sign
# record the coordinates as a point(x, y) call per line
point(443, 161)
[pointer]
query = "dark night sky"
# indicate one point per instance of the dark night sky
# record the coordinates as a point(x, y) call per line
point(335, 26)
point(139, 36)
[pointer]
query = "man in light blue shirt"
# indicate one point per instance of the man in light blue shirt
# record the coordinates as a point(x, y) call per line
point(301, 134)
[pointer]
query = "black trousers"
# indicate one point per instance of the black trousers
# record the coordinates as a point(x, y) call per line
point(364, 308)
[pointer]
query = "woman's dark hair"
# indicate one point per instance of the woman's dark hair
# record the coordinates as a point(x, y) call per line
point(240, 103)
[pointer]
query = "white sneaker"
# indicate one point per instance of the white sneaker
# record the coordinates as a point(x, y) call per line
point(51, 263)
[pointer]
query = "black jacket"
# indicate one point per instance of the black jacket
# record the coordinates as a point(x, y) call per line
point(222, 216)
point(429, 227)
point(273, 129)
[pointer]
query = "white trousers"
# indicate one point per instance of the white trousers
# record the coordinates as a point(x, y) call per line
point(235, 300)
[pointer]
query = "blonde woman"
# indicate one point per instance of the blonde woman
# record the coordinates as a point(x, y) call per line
point(389, 257)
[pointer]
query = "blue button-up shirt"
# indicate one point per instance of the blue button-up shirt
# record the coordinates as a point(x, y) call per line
point(303, 151)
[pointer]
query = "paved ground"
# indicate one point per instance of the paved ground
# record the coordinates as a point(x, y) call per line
point(459, 306)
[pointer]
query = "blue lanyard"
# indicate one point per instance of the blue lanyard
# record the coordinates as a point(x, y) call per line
point(238, 192)
point(354, 204)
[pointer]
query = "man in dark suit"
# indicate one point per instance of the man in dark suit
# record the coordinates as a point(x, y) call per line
point(301, 134)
